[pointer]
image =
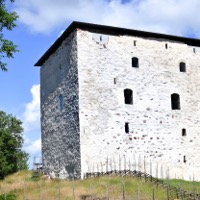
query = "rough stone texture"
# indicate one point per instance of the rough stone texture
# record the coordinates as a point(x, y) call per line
point(155, 129)
point(60, 129)
point(91, 72)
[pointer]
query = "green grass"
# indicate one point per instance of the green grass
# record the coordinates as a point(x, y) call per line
point(189, 186)
point(23, 186)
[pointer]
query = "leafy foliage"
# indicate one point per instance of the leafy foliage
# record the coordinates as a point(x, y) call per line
point(8, 197)
point(12, 158)
point(7, 22)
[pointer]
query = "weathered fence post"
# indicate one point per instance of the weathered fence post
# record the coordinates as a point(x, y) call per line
point(150, 171)
point(139, 163)
point(107, 166)
point(153, 195)
point(162, 174)
point(168, 192)
point(24, 197)
point(5, 195)
point(92, 167)
point(157, 174)
point(123, 189)
point(91, 191)
point(124, 163)
point(119, 163)
point(144, 169)
point(134, 163)
point(138, 192)
point(107, 192)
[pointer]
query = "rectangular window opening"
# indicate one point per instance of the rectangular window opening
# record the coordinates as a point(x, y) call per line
point(182, 67)
point(184, 159)
point(128, 96)
point(135, 62)
point(183, 132)
point(126, 127)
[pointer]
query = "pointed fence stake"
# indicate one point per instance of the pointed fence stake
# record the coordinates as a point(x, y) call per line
point(153, 195)
point(123, 185)
point(119, 163)
point(138, 192)
point(144, 169)
point(125, 164)
point(107, 192)
point(129, 164)
point(151, 170)
point(107, 166)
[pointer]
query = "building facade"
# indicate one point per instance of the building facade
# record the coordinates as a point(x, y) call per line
point(120, 96)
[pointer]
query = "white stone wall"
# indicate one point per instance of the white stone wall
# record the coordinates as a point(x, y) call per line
point(60, 128)
point(155, 129)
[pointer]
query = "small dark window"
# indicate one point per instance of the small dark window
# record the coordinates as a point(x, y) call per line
point(183, 132)
point(128, 96)
point(175, 101)
point(61, 102)
point(194, 50)
point(184, 159)
point(126, 127)
point(100, 37)
point(115, 81)
point(135, 62)
point(182, 67)
point(166, 46)
point(134, 43)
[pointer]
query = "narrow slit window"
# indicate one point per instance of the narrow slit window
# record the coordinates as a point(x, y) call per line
point(128, 96)
point(134, 43)
point(175, 102)
point(60, 102)
point(115, 81)
point(135, 62)
point(126, 127)
point(184, 159)
point(166, 46)
point(194, 50)
point(183, 132)
point(182, 66)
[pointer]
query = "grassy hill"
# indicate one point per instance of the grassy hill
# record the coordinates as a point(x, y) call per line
point(25, 187)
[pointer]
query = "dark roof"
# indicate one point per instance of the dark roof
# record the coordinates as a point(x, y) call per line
point(112, 31)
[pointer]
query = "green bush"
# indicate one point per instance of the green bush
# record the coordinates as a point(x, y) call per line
point(9, 196)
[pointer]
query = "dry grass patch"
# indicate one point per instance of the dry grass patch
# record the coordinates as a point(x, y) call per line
point(24, 187)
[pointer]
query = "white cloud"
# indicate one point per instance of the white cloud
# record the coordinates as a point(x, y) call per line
point(31, 124)
point(169, 16)
point(34, 148)
point(31, 115)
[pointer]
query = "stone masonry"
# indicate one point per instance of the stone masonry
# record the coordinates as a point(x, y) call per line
point(60, 129)
point(85, 119)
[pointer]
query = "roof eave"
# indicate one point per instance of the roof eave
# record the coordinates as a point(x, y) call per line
point(112, 31)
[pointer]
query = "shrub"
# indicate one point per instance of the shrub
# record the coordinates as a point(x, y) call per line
point(9, 196)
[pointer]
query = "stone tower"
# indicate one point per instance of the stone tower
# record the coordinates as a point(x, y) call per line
point(110, 93)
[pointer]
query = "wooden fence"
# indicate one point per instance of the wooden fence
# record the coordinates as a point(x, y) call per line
point(172, 192)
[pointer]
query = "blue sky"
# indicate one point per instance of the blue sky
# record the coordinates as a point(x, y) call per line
point(42, 21)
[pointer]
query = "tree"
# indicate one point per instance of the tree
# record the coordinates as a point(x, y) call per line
point(12, 158)
point(7, 22)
